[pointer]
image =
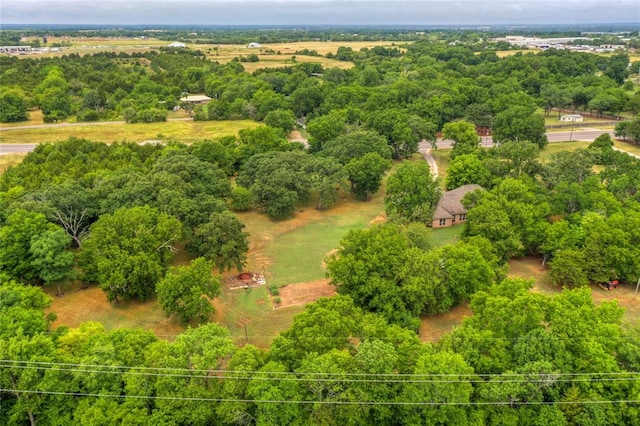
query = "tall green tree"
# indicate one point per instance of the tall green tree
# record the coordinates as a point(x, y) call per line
point(366, 174)
point(50, 257)
point(13, 105)
point(187, 291)
point(127, 252)
point(467, 169)
point(464, 136)
point(412, 193)
point(222, 240)
point(519, 124)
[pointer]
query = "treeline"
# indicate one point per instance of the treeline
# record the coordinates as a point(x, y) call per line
point(425, 86)
point(522, 358)
point(124, 207)
point(585, 223)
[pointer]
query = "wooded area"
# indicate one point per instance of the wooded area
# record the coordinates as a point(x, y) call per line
point(115, 215)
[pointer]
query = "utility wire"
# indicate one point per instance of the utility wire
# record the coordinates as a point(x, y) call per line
point(16, 363)
point(272, 401)
point(528, 379)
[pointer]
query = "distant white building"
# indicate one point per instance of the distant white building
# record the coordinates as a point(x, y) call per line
point(195, 99)
point(254, 45)
point(177, 44)
point(573, 118)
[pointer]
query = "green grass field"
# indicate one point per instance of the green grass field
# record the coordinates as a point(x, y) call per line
point(554, 148)
point(183, 131)
point(444, 236)
point(628, 147)
point(9, 160)
point(293, 251)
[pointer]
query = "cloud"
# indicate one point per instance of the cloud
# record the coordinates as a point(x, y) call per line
point(301, 12)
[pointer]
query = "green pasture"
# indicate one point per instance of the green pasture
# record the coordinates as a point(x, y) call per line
point(183, 131)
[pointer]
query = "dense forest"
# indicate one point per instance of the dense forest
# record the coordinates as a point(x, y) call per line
point(114, 215)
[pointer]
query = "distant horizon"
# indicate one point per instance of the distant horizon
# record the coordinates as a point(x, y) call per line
point(328, 26)
point(321, 12)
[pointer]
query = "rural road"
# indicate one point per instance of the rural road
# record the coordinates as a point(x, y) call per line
point(88, 123)
point(587, 135)
point(424, 148)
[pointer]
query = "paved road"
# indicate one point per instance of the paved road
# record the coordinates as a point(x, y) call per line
point(587, 135)
point(582, 135)
point(424, 148)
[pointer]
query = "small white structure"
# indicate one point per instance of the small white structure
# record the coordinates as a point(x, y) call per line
point(572, 118)
point(196, 99)
point(177, 44)
point(254, 45)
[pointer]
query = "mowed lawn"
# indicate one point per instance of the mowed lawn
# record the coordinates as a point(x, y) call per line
point(554, 148)
point(183, 131)
point(293, 250)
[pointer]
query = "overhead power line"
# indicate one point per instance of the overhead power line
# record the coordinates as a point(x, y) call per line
point(531, 378)
point(51, 365)
point(324, 402)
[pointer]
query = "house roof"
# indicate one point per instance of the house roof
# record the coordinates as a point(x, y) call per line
point(195, 98)
point(450, 203)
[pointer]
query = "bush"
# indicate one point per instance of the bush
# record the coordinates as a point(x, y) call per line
point(151, 115)
point(277, 300)
point(88, 115)
point(274, 290)
point(242, 199)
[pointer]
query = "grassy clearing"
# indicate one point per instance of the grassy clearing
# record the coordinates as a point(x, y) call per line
point(252, 307)
point(444, 236)
point(290, 251)
point(504, 53)
point(293, 251)
point(627, 146)
point(9, 160)
point(554, 148)
point(183, 131)
point(531, 268)
point(77, 306)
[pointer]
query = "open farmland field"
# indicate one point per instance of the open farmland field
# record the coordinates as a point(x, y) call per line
point(284, 51)
point(222, 53)
point(184, 131)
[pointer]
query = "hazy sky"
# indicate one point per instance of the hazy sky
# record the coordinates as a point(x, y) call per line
point(301, 12)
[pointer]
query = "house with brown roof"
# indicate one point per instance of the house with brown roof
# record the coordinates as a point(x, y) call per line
point(450, 211)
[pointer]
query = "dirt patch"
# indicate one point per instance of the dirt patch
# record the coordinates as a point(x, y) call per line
point(530, 267)
point(332, 252)
point(624, 294)
point(80, 305)
point(296, 136)
point(433, 328)
point(381, 218)
point(303, 293)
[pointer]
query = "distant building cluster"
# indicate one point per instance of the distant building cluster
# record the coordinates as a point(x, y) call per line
point(26, 50)
point(564, 43)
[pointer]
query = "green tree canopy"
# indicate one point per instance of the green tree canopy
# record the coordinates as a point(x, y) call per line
point(187, 291)
point(412, 192)
point(126, 252)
